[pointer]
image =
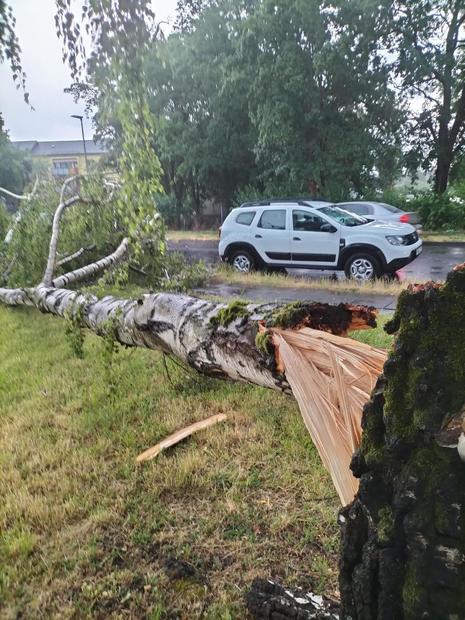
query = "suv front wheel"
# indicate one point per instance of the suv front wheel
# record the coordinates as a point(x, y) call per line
point(362, 267)
point(242, 260)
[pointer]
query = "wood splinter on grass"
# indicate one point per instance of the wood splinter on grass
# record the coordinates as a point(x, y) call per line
point(178, 436)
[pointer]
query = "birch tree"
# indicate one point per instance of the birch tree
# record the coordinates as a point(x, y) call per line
point(403, 534)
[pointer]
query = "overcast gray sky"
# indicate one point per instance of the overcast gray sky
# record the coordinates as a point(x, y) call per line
point(46, 76)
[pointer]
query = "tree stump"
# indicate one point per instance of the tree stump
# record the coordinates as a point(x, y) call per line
point(403, 537)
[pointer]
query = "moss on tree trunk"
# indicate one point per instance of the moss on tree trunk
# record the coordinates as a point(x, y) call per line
point(403, 537)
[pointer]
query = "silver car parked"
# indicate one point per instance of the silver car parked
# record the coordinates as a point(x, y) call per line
point(381, 211)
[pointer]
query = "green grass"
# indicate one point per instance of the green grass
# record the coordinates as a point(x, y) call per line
point(84, 532)
point(197, 235)
point(226, 274)
point(453, 235)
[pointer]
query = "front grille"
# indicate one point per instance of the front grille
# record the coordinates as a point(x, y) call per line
point(411, 238)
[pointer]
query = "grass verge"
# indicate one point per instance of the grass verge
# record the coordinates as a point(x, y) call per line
point(225, 274)
point(196, 235)
point(441, 237)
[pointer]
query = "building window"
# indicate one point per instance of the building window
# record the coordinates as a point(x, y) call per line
point(64, 167)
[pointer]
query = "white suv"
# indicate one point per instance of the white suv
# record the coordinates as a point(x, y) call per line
point(306, 234)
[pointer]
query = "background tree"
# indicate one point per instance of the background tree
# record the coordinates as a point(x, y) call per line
point(426, 42)
point(15, 167)
point(324, 111)
point(431, 62)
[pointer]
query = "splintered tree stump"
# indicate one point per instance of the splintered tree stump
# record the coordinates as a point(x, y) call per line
point(403, 537)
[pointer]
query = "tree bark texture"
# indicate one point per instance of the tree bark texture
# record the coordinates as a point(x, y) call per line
point(403, 537)
point(215, 339)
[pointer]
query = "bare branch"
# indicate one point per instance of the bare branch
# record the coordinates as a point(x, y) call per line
point(9, 268)
point(50, 268)
point(29, 196)
point(83, 273)
point(77, 254)
point(426, 95)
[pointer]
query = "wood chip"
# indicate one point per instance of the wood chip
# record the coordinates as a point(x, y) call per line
point(178, 436)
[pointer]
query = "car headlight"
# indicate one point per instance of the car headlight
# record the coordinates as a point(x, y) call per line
point(395, 239)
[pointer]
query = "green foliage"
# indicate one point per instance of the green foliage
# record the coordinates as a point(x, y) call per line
point(140, 172)
point(5, 221)
point(181, 275)
point(15, 167)
point(97, 225)
point(439, 212)
point(10, 50)
point(226, 124)
point(74, 330)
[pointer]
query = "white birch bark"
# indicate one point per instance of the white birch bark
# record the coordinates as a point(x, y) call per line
point(181, 325)
point(89, 271)
point(175, 324)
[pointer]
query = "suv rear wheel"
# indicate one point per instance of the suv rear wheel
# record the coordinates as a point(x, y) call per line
point(362, 267)
point(242, 260)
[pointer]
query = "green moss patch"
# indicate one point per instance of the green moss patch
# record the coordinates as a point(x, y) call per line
point(233, 311)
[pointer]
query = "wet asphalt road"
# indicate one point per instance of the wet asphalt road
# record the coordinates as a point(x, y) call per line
point(436, 260)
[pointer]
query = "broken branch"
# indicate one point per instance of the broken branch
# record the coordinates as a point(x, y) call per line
point(178, 436)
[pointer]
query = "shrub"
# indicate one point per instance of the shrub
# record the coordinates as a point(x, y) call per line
point(443, 212)
point(182, 276)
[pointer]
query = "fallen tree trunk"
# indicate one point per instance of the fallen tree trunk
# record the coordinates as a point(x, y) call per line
point(246, 342)
point(216, 339)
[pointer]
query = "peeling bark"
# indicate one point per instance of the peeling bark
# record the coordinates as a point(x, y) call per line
point(267, 600)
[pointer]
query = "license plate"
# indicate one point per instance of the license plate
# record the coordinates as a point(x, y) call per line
point(418, 250)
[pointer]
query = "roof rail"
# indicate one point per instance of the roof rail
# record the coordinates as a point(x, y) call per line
point(301, 200)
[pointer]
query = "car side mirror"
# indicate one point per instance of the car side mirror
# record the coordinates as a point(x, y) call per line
point(328, 228)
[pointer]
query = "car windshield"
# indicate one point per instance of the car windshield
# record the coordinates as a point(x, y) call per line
point(346, 218)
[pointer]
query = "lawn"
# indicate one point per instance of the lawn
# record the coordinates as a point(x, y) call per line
point(87, 533)
point(197, 235)
point(227, 275)
point(441, 237)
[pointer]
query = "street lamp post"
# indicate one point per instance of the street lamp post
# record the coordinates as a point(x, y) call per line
point(83, 139)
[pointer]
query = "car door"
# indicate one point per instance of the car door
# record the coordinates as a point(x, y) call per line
point(314, 239)
point(271, 236)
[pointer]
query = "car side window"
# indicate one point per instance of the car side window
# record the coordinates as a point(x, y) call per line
point(275, 219)
point(245, 218)
point(358, 209)
point(305, 221)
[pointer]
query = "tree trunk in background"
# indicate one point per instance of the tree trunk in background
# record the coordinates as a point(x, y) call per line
point(403, 537)
point(444, 160)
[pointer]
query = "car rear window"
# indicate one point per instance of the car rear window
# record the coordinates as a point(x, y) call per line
point(245, 218)
point(390, 208)
point(354, 207)
point(275, 219)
